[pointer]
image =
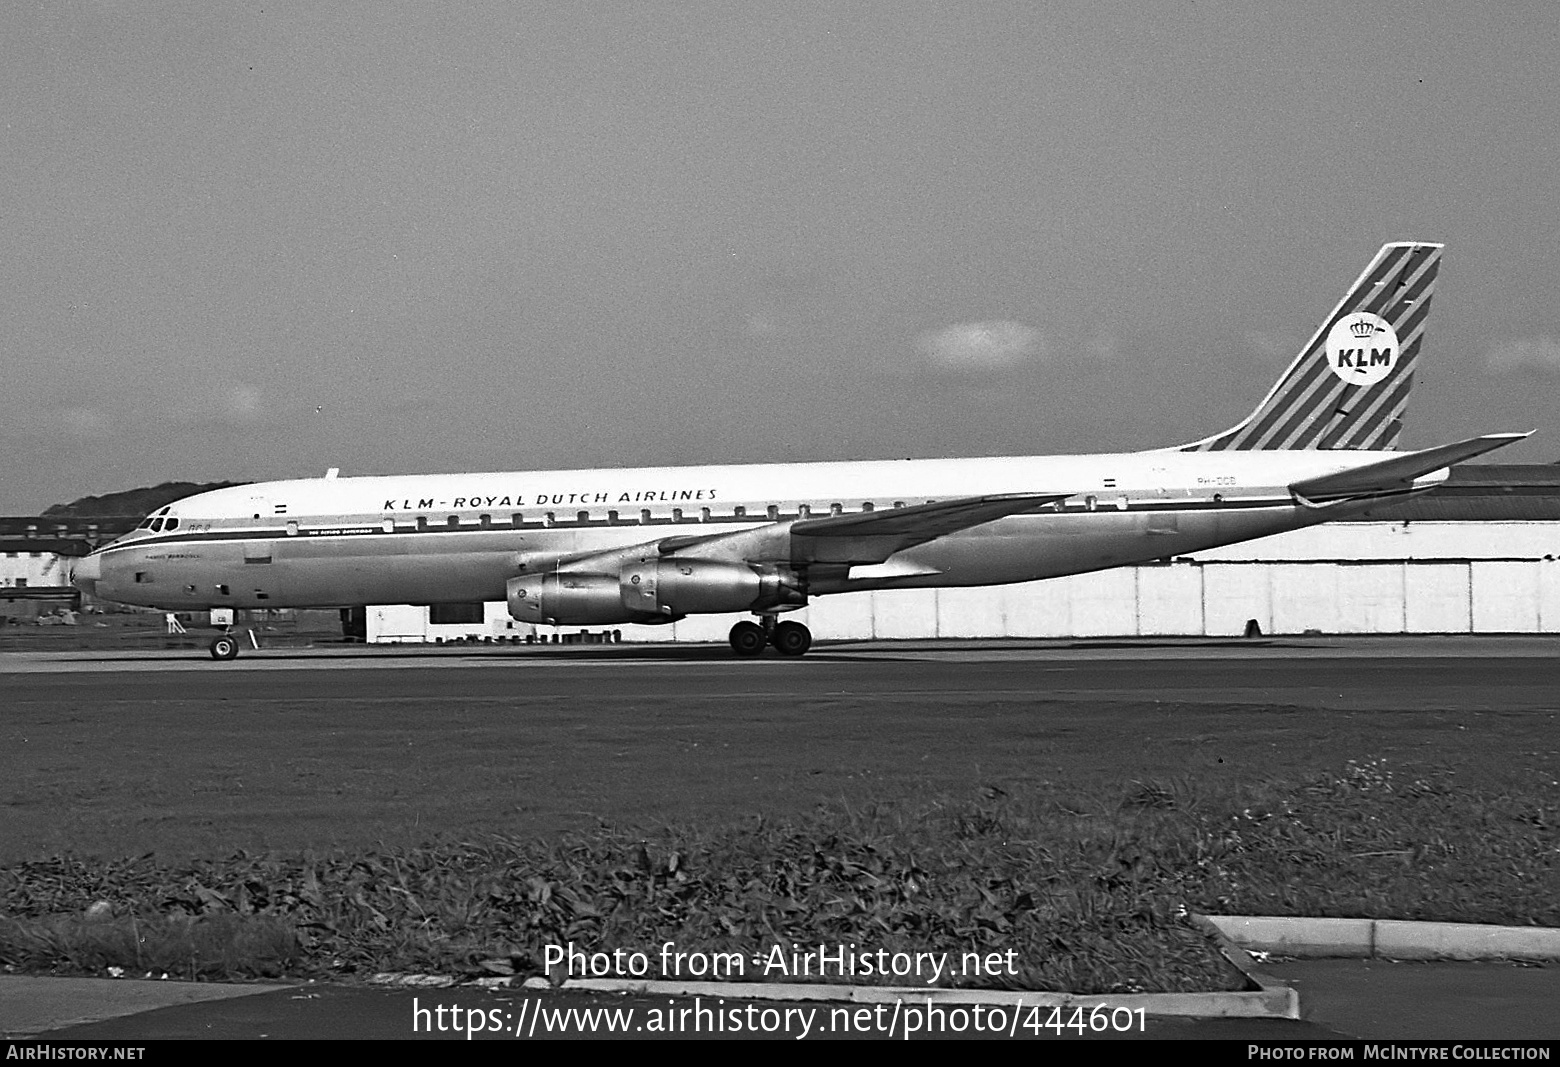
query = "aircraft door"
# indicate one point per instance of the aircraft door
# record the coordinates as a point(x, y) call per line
point(257, 549)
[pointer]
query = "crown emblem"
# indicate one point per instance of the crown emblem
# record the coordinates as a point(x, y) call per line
point(1362, 328)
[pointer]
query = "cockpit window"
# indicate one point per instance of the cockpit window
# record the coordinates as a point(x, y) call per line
point(157, 522)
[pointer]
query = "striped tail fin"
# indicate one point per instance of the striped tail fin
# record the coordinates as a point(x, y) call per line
point(1349, 384)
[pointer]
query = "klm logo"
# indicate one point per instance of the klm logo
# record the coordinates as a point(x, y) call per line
point(1362, 348)
point(1359, 360)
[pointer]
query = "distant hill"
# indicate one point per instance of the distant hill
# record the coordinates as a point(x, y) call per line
point(132, 503)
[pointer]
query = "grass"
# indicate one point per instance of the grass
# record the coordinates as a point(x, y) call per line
point(1091, 892)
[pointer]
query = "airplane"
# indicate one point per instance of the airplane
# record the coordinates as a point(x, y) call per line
point(654, 545)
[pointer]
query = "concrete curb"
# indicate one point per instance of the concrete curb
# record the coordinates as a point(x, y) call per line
point(1280, 1003)
point(1391, 939)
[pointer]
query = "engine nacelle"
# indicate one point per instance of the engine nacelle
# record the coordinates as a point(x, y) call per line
point(565, 599)
point(671, 586)
point(659, 589)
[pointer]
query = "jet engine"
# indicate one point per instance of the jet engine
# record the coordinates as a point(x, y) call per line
point(659, 589)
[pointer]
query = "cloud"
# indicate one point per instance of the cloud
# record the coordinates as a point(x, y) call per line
point(1271, 344)
point(219, 405)
point(1526, 353)
point(85, 422)
point(980, 345)
point(245, 403)
point(1106, 346)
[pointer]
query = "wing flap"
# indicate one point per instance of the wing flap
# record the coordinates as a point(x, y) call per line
point(1397, 474)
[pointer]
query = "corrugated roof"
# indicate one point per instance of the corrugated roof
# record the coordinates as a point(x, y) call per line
point(1441, 506)
point(1512, 475)
point(1482, 492)
point(58, 546)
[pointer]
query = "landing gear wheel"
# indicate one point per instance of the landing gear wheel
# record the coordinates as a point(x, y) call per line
point(747, 639)
point(224, 646)
point(791, 638)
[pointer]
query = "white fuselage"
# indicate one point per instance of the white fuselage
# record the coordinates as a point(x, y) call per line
point(457, 538)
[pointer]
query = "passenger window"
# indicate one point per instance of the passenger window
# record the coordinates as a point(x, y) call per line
point(517, 519)
point(388, 526)
point(774, 511)
point(612, 518)
point(866, 505)
point(550, 519)
point(582, 516)
point(422, 522)
point(899, 503)
point(644, 516)
point(292, 529)
point(677, 515)
point(452, 522)
point(704, 514)
point(1090, 503)
point(739, 512)
point(485, 521)
point(835, 509)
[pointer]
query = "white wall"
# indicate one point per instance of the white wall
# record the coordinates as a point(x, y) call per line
point(408, 623)
point(1452, 577)
point(34, 568)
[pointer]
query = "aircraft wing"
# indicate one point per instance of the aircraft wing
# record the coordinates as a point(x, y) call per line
point(920, 523)
point(873, 536)
point(1397, 474)
point(860, 537)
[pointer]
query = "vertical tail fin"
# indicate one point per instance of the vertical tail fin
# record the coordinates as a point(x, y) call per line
point(1349, 384)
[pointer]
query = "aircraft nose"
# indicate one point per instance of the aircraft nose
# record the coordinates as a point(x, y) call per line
point(85, 574)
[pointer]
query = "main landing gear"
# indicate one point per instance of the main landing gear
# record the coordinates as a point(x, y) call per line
point(788, 638)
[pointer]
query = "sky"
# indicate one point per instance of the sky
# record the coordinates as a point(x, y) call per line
point(248, 241)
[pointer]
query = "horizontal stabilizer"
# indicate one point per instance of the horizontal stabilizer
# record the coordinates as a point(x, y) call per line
point(1397, 474)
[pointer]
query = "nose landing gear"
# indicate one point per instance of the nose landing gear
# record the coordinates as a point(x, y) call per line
point(788, 638)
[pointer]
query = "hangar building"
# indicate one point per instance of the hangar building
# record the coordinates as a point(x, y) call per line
point(35, 561)
point(1481, 554)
